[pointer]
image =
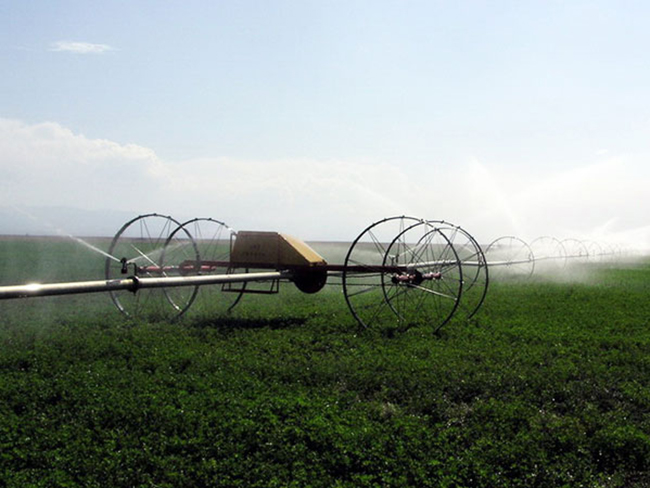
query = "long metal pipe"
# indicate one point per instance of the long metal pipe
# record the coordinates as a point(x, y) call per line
point(133, 284)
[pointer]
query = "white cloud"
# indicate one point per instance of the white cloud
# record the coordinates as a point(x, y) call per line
point(47, 164)
point(304, 197)
point(80, 47)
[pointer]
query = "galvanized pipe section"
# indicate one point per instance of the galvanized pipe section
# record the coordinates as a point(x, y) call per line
point(47, 289)
point(133, 284)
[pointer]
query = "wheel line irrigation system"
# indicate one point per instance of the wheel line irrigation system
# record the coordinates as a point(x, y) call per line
point(399, 272)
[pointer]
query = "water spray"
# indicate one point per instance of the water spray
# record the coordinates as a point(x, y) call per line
point(399, 272)
point(60, 232)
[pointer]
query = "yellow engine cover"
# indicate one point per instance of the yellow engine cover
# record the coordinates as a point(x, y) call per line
point(272, 250)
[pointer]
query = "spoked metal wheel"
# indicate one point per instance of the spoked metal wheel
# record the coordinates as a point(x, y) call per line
point(363, 275)
point(140, 246)
point(595, 251)
point(402, 272)
point(550, 254)
point(473, 264)
point(510, 257)
point(576, 251)
point(202, 246)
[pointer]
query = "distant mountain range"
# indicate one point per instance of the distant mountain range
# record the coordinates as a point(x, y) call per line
point(49, 221)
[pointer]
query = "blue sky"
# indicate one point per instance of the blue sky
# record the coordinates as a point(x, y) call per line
point(317, 117)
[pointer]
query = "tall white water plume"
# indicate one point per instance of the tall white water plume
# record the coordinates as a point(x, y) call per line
point(495, 212)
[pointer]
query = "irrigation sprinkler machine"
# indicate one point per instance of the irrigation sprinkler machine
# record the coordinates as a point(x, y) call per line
point(399, 272)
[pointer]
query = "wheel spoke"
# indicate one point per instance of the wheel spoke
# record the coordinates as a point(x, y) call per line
point(140, 241)
point(420, 293)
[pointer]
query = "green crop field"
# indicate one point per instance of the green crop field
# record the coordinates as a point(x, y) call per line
point(549, 385)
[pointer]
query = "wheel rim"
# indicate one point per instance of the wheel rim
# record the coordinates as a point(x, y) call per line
point(474, 267)
point(374, 300)
point(510, 257)
point(576, 251)
point(364, 290)
point(426, 252)
point(140, 243)
point(211, 242)
point(595, 251)
point(550, 254)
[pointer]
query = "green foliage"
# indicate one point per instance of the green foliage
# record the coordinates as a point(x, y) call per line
point(548, 386)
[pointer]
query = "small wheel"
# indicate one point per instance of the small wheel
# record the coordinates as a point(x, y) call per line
point(401, 272)
point(474, 266)
point(550, 254)
point(510, 257)
point(595, 251)
point(202, 246)
point(576, 251)
point(139, 247)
